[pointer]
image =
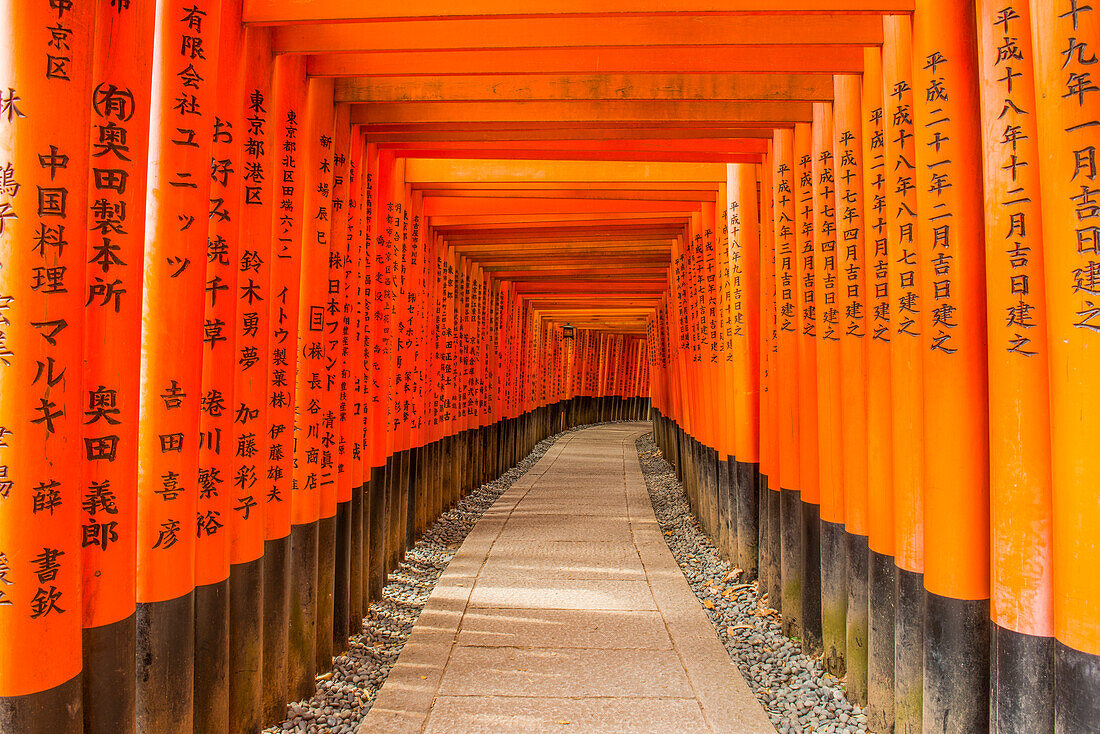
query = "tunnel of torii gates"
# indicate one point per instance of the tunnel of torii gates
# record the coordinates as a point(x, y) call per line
point(281, 281)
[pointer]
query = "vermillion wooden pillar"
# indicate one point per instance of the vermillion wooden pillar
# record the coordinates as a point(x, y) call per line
point(216, 399)
point(1021, 603)
point(809, 510)
point(770, 386)
point(881, 568)
point(121, 79)
point(1066, 36)
point(374, 263)
point(336, 436)
point(907, 304)
point(246, 481)
point(744, 238)
point(834, 595)
point(394, 195)
point(318, 236)
point(182, 126)
point(378, 314)
point(852, 280)
point(950, 230)
point(712, 397)
point(287, 119)
point(353, 353)
point(788, 513)
point(307, 555)
point(46, 66)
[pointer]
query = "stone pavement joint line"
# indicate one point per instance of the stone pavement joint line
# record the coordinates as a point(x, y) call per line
point(564, 611)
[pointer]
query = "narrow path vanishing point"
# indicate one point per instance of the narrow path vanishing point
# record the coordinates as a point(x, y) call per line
point(564, 611)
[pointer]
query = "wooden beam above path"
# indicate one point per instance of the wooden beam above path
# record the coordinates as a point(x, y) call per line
point(498, 132)
point(454, 206)
point(598, 155)
point(804, 87)
point(580, 31)
point(312, 11)
point(723, 145)
point(424, 171)
point(750, 114)
point(809, 57)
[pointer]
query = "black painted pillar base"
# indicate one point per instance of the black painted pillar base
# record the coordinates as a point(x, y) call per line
point(727, 520)
point(834, 598)
point(882, 588)
point(746, 501)
point(1077, 690)
point(212, 658)
point(302, 634)
point(956, 664)
point(764, 565)
point(810, 541)
point(909, 653)
point(856, 556)
point(276, 601)
point(358, 574)
point(376, 536)
point(775, 549)
point(53, 711)
point(342, 587)
point(412, 500)
point(246, 643)
point(710, 468)
point(109, 686)
point(165, 655)
point(1022, 683)
point(790, 560)
point(326, 591)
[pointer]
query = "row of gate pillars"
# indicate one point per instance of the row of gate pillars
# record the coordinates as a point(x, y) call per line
point(265, 633)
point(240, 375)
point(856, 611)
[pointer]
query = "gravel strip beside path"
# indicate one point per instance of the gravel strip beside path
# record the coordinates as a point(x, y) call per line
point(346, 693)
point(797, 693)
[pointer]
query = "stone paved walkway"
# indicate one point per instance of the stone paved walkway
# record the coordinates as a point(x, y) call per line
point(564, 611)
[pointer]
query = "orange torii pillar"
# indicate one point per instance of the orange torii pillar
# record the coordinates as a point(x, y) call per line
point(43, 218)
point(722, 337)
point(788, 511)
point(833, 573)
point(121, 80)
point(1021, 602)
point(742, 212)
point(1066, 37)
point(354, 352)
point(311, 534)
point(380, 433)
point(956, 421)
point(907, 304)
point(245, 482)
point(881, 568)
point(768, 504)
point(213, 506)
point(710, 396)
point(172, 337)
point(809, 509)
point(336, 338)
point(852, 282)
point(705, 304)
point(374, 456)
point(287, 119)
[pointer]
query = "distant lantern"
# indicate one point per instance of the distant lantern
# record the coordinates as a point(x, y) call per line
point(566, 332)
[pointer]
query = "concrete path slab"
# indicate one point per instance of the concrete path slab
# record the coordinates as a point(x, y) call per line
point(564, 611)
